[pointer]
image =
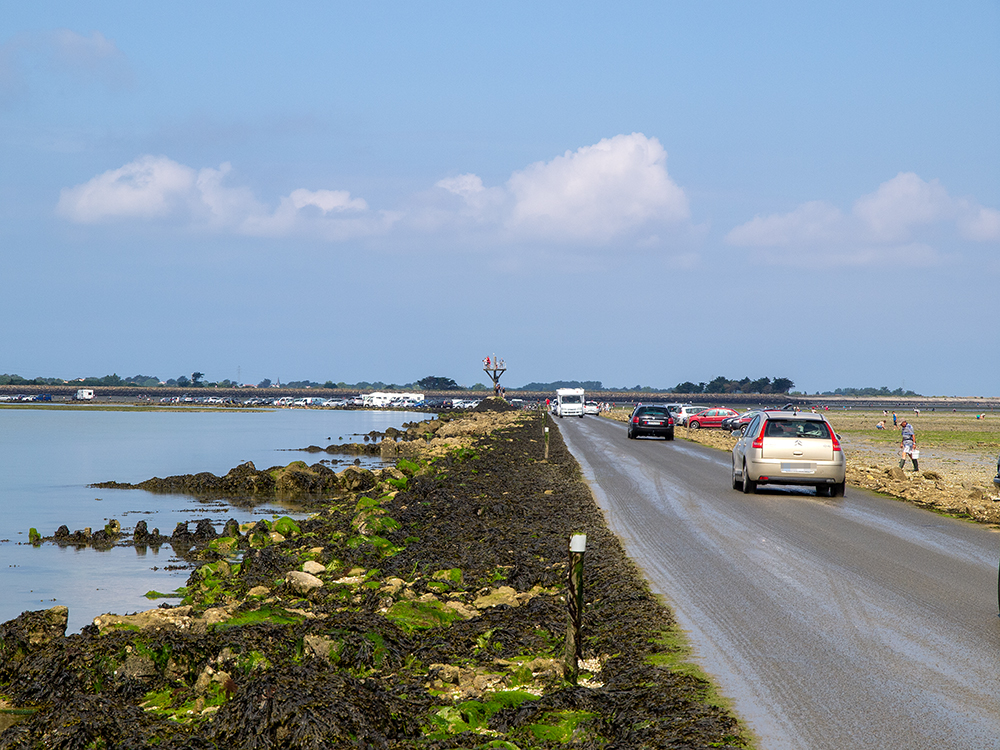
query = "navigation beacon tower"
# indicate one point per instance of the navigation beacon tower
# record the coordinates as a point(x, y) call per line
point(494, 368)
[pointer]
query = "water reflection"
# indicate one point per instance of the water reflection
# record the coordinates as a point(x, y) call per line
point(51, 457)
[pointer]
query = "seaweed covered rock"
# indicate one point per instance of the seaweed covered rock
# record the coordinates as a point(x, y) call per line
point(356, 479)
point(30, 630)
point(296, 481)
point(79, 720)
point(245, 479)
point(310, 707)
point(494, 403)
point(261, 567)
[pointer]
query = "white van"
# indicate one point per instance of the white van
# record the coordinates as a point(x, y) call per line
point(408, 399)
point(84, 394)
point(377, 400)
point(569, 402)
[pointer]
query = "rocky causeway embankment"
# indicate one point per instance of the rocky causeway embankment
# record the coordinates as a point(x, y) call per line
point(422, 608)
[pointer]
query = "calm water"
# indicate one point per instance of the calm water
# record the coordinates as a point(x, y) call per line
point(48, 457)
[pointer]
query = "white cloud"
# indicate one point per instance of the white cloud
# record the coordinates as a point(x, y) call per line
point(979, 223)
point(597, 192)
point(615, 190)
point(902, 204)
point(816, 221)
point(149, 187)
point(891, 223)
point(155, 187)
point(224, 206)
point(464, 185)
point(326, 200)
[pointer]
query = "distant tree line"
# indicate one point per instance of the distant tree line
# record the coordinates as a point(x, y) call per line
point(746, 385)
point(440, 383)
point(883, 391)
point(719, 385)
point(194, 380)
point(591, 385)
point(588, 385)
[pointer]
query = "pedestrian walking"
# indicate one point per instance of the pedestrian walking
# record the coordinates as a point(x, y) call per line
point(908, 445)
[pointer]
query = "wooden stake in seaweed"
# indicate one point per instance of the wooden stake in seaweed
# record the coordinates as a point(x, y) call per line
point(546, 443)
point(574, 602)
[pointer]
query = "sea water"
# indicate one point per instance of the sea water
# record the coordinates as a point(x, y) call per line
point(48, 457)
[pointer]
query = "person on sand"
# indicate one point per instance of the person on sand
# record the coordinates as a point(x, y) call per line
point(880, 425)
point(894, 419)
point(908, 445)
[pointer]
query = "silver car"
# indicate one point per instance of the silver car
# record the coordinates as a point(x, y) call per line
point(682, 414)
point(789, 447)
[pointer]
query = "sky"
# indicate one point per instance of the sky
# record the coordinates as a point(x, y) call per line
point(640, 193)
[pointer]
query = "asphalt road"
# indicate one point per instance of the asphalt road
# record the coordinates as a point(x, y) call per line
point(831, 623)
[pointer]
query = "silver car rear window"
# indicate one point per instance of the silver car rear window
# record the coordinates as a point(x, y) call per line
point(797, 428)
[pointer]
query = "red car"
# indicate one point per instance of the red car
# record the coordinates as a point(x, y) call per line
point(711, 417)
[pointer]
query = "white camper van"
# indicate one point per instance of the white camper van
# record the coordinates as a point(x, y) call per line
point(569, 402)
point(84, 394)
point(378, 399)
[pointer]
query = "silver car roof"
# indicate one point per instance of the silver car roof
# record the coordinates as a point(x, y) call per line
point(803, 415)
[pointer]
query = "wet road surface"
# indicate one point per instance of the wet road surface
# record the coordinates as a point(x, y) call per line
point(831, 623)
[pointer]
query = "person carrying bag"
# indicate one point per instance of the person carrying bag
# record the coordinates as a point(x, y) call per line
point(908, 446)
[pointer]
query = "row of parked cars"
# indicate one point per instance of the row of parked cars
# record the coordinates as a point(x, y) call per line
point(319, 401)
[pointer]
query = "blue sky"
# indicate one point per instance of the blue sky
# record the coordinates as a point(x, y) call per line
point(636, 193)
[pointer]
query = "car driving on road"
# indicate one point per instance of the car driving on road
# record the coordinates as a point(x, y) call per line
point(788, 447)
point(651, 419)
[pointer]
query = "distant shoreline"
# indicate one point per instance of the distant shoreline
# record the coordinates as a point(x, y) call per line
point(152, 396)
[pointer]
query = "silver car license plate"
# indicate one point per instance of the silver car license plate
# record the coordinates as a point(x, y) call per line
point(790, 468)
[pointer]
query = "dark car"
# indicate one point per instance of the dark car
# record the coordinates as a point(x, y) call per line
point(651, 419)
point(738, 422)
